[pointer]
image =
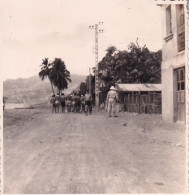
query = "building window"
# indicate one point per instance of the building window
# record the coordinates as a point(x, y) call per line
point(169, 34)
point(180, 27)
point(181, 8)
point(168, 21)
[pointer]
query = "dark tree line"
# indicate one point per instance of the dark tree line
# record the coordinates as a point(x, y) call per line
point(135, 65)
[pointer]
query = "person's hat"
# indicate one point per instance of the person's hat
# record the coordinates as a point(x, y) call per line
point(112, 88)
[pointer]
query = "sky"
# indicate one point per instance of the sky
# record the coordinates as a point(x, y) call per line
point(35, 29)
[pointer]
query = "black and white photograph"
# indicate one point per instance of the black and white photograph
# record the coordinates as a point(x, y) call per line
point(94, 96)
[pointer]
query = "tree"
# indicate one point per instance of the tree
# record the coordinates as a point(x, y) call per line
point(83, 88)
point(45, 71)
point(59, 75)
point(135, 65)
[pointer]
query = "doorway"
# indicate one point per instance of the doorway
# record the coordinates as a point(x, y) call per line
point(180, 94)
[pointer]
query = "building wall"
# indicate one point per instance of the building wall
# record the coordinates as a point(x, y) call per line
point(172, 59)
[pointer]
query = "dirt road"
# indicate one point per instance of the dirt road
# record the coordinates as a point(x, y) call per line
point(74, 153)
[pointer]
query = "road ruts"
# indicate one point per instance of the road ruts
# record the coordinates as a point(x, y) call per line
point(74, 153)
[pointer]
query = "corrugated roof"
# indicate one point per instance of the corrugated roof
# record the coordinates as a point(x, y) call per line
point(138, 87)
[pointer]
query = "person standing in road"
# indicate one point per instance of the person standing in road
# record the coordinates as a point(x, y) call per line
point(71, 101)
point(112, 97)
point(3, 104)
point(68, 104)
point(74, 103)
point(78, 102)
point(88, 102)
point(62, 99)
point(52, 101)
point(57, 103)
point(82, 100)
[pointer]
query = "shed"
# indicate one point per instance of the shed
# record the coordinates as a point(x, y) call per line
point(140, 98)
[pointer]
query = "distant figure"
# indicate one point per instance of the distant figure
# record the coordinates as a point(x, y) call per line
point(57, 103)
point(82, 100)
point(62, 100)
point(3, 104)
point(52, 101)
point(74, 103)
point(112, 97)
point(69, 104)
point(77, 103)
point(88, 102)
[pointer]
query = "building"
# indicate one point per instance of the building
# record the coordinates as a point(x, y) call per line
point(173, 63)
point(140, 98)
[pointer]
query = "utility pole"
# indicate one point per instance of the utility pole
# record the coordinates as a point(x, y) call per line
point(90, 80)
point(95, 27)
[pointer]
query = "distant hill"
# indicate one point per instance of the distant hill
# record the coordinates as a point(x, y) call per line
point(32, 90)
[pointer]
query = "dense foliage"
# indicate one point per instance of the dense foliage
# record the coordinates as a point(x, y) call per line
point(83, 88)
point(135, 65)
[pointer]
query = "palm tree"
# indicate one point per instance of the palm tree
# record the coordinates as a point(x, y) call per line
point(45, 70)
point(59, 75)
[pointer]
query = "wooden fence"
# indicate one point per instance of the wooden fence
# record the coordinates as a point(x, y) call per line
point(141, 102)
